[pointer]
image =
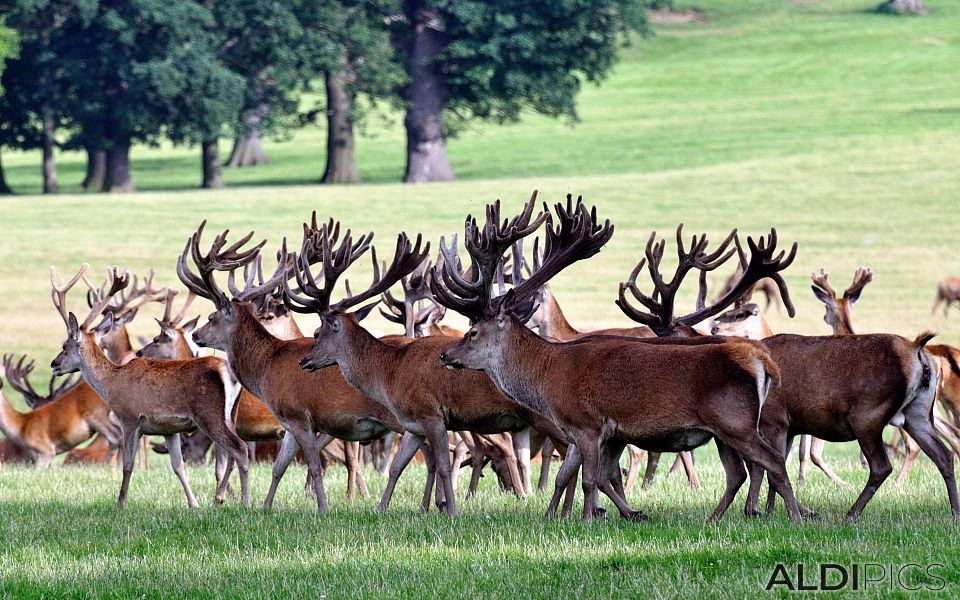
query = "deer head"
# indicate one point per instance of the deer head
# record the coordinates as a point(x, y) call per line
point(312, 293)
point(174, 340)
point(572, 233)
point(18, 374)
point(838, 310)
point(80, 336)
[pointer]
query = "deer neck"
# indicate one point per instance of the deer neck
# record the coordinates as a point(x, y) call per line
point(557, 326)
point(97, 369)
point(844, 324)
point(363, 360)
point(11, 421)
point(250, 350)
point(521, 366)
point(183, 350)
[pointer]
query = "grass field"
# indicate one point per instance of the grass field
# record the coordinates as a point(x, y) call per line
point(839, 127)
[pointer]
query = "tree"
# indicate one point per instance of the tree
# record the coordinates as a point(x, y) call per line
point(8, 46)
point(350, 47)
point(902, 7)
point(492, 59)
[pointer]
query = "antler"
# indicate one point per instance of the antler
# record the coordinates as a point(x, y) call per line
point(861, 278)
point(116, 282)
point(19, 377)
point(123, 304)
point(216, 259)
point(576, 236)
point(661, 304)
point(416, 289)
point(319, 245)
point(58, 291)
point(820, 280)
point(469, 293)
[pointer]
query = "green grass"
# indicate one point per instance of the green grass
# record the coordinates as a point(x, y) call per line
point(839, 127)
point(63, 536)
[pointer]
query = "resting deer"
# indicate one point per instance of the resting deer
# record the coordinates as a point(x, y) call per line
point(305, 403)
point(948, 292)
point(69, 416)
point(428, 399)
point(607, 391)
point(149, 397)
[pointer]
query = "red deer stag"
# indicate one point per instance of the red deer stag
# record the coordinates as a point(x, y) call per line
point(305, 403)
point(606, 391)
point(948, 292)
point(428, 399)
point(149, 397)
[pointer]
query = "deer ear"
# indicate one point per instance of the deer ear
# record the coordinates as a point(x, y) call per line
point(190, 325)
point(822, 296)
point(73, 327)
point(852, 298)
point(361, 313)
point(128, 316)
point(106, 324)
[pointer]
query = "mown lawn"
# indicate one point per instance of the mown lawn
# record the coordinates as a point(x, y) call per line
point(62, 536)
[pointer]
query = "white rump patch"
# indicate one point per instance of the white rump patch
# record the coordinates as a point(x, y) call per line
point(763, 382)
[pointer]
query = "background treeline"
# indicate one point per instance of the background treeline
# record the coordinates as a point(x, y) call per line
point(100, 76)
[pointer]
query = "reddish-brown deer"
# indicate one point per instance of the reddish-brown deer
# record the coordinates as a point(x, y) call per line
point(428, 399)
point(591, 387)
point(152, 397)
point(948, 293)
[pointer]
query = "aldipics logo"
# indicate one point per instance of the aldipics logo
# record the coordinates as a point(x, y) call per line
point(858, 576)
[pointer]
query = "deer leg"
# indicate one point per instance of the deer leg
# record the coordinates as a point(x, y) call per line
point(910, 454)
point(311, 449)
point(236, 450)
point(131, 442)
point(460, 451)
point(922, 431)
point(519, 480)
point(636, 454)
point(352, 464)
point(521, 448)
point(805, 443)
point(428, 488)
point(477, 455)
point(437, 437)
point(387, 451)
point(947, 431)
point(222, 468)
point(589, 447)
point(288, 450)
point(879, 463)
point(653, 459)
point(686, 459)
point(546, 456)
point(736, 475)
point(755, 449)
point(176, 463)
point(609, 481)
point(566, 478)
point(816, 456)
point(409, 444)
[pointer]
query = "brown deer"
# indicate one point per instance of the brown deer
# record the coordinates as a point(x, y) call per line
point(305, 403)
point(428, 399)
point(607, 391)
point(69, 416)
point(948, 292)
point(839, 315)
point(149, 397)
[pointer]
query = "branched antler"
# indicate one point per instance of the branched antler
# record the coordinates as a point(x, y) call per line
point(217, 258)
point(660, 306)
point(18, 375)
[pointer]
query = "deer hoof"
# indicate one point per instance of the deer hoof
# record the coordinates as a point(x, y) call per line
point(636, 516)
point(599, 513)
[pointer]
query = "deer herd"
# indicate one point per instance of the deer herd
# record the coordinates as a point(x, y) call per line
point(521, 380)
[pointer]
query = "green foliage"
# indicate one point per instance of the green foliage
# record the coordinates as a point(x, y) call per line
point(8, 47)
point(507, 56)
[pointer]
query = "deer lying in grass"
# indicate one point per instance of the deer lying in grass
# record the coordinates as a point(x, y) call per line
point(305, 403)
point(69, 416)
point(948, 293)
point(606, 391)
point(428, 399)
point(152, 397)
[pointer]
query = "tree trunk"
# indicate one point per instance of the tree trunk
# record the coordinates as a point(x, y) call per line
point(49, 163)
point(96, 169)
point(426, 93)
point(4, 188)
point(903, 7)
point(247, 149)
point(118, 177)
point(210, 160)
point(341, 160)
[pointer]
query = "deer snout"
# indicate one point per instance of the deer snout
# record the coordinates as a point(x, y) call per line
point(449, 363)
